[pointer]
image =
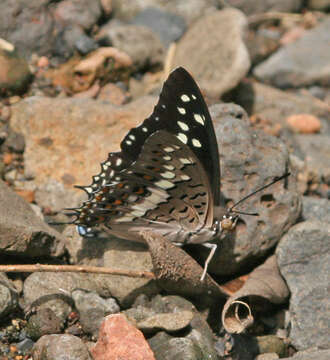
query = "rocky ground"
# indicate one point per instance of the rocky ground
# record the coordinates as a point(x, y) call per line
point(75, 76)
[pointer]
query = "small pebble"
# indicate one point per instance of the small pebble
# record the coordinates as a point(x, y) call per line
point(304, 123)
point(43, 62)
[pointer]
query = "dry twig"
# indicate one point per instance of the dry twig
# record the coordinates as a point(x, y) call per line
point(76, 269)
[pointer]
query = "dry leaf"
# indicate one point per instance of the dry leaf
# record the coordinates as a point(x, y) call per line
point(264, 286)
point(177, 272)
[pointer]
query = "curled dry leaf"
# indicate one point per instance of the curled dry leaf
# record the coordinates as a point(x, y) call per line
point(104, 64)
point(177, 272)
point(99, 63)
point(264, 286)
point(97, 58)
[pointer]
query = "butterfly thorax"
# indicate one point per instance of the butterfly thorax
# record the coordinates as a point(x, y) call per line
point(223, 221)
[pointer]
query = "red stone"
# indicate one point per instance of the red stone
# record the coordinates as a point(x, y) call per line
point(120, 340)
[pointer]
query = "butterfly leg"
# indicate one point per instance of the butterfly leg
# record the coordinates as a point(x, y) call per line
point(213, 248)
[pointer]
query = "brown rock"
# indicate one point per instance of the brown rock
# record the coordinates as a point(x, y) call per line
point(66, 139)
point(22, 232)
point(120, 340)
point(14, 73)
point(219, 63)
point(113, 94)
point(304, 123)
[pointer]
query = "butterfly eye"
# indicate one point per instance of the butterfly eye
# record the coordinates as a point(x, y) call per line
point(227, 223)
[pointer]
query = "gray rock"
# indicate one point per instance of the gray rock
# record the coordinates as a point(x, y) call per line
point(312, 354)
point(55, 288)
point(276, 105)
point(85, 44)
point(18, 26)
point(43, 322)
point(60, 347)
point(138, 313)
point(14, 142)
point(92, 309)
point(250, 160)
point(53, 194)
point(32, 117)
point(22, 232)
point(139, 42)
point(8, 296)
point(316, 150)
point(190, 10)
point(71, 39)
point(171, 348)
point(219, 63)
point(262, 43)
point(25, 345)
point(256, 7)
point(318, 4)
point(83, 13)
point(293, 65)
point(303, 256)
point(199, 340)
point(268, 356)
point(168, 26)
point(169, 322)
point(315, 209)
point(15, 73)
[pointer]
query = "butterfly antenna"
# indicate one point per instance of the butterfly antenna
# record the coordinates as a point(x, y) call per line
point(276, 179)
point(243, 212)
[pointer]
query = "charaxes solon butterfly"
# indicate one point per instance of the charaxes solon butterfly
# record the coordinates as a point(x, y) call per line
point(166, 178)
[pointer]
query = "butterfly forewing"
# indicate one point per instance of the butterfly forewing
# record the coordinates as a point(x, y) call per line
point(167, 174)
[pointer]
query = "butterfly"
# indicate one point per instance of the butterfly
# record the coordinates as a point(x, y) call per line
point(166, 178)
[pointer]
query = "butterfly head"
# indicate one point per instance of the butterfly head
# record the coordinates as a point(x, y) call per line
point(228, 221)
point(225, 222)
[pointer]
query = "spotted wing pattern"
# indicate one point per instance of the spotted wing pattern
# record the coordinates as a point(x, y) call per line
point(166, 176)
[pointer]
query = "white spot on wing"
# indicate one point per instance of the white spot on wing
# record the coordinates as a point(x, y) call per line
point(164, 184)
point(132, 137)
point(185, 161)
point(193, 96)
point(155, 198)
point(119, 161)
point(167, 158)
point(132, 198)
point(196, 143)
point(185, 98)
point(182, 137)
point(181, 110)
point(128, 142)
point(185, 177)
point(144, 129)
point(168, 149)
point(138, 213)
point(199, 119)
point(168, 175)
point(169, 167)
point(126, 218)
point(183, 126)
